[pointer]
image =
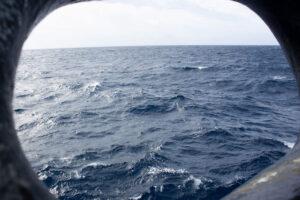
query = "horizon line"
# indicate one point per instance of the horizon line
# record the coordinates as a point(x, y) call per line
point(163, 45)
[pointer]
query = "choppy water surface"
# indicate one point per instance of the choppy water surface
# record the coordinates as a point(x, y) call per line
point(180, 122)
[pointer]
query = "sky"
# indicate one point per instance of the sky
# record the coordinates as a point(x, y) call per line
point(150, 22)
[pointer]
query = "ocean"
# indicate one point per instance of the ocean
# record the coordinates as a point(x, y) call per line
point(156, 122)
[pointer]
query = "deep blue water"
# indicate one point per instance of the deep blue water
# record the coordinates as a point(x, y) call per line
point(178, 122)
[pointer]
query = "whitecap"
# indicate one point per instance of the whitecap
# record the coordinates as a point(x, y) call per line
point(290, 145)
point(42, 176)
point(54, 191)
point(67, 159)
point(197, 182)
point(156, 171)
point(108, 95)
point(76, 174)
point(202, 67)
point(136, 197)
point(235, 179)
point(179, 108)
point(93, 87)
point(157, 148)
point(161, 188)
point(279, 77)
point(95, 164)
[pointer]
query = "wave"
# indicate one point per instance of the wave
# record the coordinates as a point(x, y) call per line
point(93, 88)
point(157, 171)
point(20, 110)
point(152, 109)
point(191, 68)
point(27, 126)
point(276, 86)
point(51, 97)
point(251, 166)
point(218, 133)
point(266, 142)
point(75, 86)
point(20, 95)
point(197, 182)
point(160, 106)
point(288, 144)
point(190, 188)
point(87, 114)
point(94, 165)
point(279, 77)
point(155, 122)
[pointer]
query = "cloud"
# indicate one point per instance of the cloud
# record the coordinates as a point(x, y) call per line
point(150, 22)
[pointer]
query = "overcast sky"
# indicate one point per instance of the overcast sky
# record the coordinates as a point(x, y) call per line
point(150, 22)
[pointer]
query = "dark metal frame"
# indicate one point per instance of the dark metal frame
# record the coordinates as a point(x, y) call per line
point(19, 17)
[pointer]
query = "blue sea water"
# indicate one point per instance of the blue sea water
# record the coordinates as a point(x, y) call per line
point(173, 122)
